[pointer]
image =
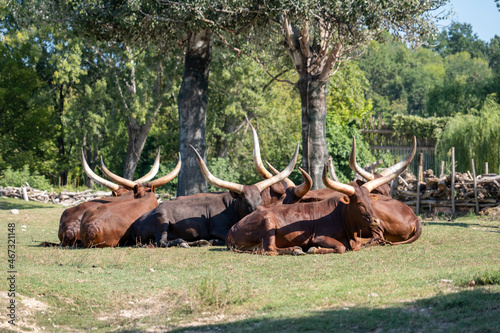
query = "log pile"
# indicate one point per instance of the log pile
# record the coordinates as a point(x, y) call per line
point(436, 192)
point(64, 198)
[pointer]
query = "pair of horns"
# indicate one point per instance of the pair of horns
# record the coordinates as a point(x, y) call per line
point(238, 188)
point(145, 180)
point(388, 174)
point(299, 191)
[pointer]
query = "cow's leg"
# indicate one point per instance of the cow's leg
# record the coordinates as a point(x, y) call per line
point(269, 241)
point(326, 245)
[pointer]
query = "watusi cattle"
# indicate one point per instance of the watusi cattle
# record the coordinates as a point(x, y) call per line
point(398, 222)
point(205, 217)
point(333, 225)
point(108, 225)
point(69, 223)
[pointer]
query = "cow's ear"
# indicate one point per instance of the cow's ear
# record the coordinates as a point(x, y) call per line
point(345, 199)
point(153, 188)
point(374, 197)
point(114, 194)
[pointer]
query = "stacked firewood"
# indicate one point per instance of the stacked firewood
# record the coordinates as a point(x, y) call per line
point(65, 198)
point(436, 191)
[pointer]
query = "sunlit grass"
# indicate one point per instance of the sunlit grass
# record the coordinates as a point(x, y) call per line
point(424, 286)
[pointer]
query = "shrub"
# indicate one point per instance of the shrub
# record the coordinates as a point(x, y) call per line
point(18, 178)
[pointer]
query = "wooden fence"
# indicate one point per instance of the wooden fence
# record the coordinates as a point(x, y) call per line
point(452, 193)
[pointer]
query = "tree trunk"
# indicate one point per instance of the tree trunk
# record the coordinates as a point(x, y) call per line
point(314, 147)
point(192, 106)
point(314, 61)
point(137, 135)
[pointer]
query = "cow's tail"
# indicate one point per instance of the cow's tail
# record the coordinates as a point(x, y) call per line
point(416, 234)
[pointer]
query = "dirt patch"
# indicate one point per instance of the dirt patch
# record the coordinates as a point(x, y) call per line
point(26, 308)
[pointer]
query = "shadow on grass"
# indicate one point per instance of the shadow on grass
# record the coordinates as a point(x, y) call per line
point(472, 310)
point(463, 225)
point(21, 204)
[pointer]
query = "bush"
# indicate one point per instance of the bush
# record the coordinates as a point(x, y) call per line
point(18, 178)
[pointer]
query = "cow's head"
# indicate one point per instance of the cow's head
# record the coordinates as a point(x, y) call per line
point(142, 186)
point(358, 198)
point(292, 192)
point(248, 196)
point(116, 189)
point(397, 168)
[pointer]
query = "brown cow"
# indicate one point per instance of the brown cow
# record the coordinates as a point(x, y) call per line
point(69, 223)
point(332, 224)
point(108, 225)
point(398, 223)
point(199, 217)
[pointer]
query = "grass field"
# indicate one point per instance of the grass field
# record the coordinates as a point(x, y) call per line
point(447, 281)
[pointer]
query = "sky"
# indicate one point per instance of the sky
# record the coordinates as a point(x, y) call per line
point(483, 15)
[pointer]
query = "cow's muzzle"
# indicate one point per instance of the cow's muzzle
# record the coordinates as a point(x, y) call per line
point(374, 222)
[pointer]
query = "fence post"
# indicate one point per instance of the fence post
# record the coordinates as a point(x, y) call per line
point(419, 179)
point(441, 175)
point(453, 210)
point(475, 186)
point(486, 168)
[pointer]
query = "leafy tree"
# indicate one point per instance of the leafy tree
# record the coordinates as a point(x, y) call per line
point(27, 135)
point(400, 78)
point(459, 37)
point(464, 86)
point(475, 136)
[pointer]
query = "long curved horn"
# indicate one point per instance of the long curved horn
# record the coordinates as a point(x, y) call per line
point(354, 165)
point(96, 178)
point(336, 186)
point(152, 173)
point(331, 169)
point(282, 175)
point(165, 179)
point(287, 181)
point(396, 167)
point(117, 179)
point(394, 171)
point(303, 188)
point(238, 188)
point(257, 160)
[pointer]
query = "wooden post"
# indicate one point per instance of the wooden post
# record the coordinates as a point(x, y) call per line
point(441, 175)
point(486, 168)
point(453, 208)
point(419, 179)
point(475, 186)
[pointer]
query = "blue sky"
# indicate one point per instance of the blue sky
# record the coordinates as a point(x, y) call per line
point(483, 15)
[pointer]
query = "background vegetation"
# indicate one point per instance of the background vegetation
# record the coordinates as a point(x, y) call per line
point(58, 94)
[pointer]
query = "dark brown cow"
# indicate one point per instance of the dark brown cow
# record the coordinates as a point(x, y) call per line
point(206, 217)
point(332, 224)
point(69, 223)
point(108, 225)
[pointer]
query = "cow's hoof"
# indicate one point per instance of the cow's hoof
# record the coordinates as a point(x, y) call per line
point(203, 242)
point(312, 250)
point(183, 245)
point(297, 251)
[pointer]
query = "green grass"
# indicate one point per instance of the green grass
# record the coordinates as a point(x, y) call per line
point(447, 281)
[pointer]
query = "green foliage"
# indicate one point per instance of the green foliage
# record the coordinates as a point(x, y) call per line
point(339, 140)
point(422, 128)
point(474, 136)
point(19, 178)
point(400, 77)
point(466, 84)
point(224, 169)
point(459, 37)
point(346, 95)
